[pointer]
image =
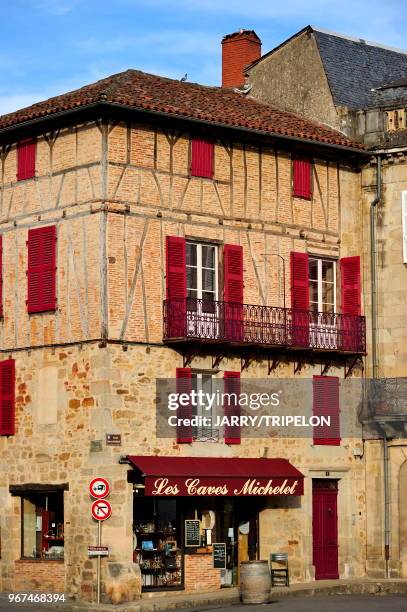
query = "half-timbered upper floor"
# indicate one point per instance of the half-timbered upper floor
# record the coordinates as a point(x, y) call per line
point(142, 227)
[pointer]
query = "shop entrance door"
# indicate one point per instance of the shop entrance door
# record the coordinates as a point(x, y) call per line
point(325, 528)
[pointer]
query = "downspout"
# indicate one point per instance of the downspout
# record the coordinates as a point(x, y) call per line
point(375, 364)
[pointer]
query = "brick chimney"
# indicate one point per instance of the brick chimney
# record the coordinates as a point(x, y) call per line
point(238, 51)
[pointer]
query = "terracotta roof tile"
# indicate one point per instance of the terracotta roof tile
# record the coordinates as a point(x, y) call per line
point(140, 90)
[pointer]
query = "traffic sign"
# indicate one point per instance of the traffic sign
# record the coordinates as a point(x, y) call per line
point(99, 488)
point(98, 551)
point(101, 510)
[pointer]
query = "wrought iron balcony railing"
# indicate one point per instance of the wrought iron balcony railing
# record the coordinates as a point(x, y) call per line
point(269, 326)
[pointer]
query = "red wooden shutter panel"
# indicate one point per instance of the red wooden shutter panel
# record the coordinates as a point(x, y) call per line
point(233, 273)
point(202, 158)
point(1, 276)
point(176, 286)
point(184, 385)
point(299, 281)
point(41, 269)
point(299, 299)
point(7, 397)
point(233, 291)
point(232, 433)
point(26, 153)
point(351, 285)
point(326, 403)
point(302, 178)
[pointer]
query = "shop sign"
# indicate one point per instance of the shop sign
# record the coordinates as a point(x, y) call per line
point(98, 551)
point(99, 488)
point(192, 533)
point(101, 510)
point(221, 487)
point(219, 555)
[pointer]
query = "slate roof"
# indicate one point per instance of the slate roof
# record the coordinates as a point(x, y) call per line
point(148, 92)
point(354, 67)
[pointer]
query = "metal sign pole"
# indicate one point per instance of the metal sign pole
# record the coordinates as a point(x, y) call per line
point(98, 577)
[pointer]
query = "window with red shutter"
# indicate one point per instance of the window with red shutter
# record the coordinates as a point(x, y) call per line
point(176, 286)
point(202, 153)
point(1, 276)
point(232, 433)
point(184, 385)
point(26, 154)
point(233, 291)
point(7, 397)
point(350, 285)
point(326, 404)
point(299, 299)
point(41, 272)
point(302, 172)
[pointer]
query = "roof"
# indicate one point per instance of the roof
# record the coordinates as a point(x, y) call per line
point(141, 91)
point(353, 66)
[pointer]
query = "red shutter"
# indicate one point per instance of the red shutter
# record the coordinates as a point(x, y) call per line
point(26, 153)
point(300, 299)
point(350, 285)
point(232, 433)
point(184, 385)
point(176, 287)
point(41, 269)
point(233, 291)
point(302, 178)
point(1, 276)
point(202, 158)
point(326, 403)
point(7, 397)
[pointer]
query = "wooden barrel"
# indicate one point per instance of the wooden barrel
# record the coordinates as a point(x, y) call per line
point(255, 582)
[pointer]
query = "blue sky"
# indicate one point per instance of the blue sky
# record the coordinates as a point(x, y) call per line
point(51, 46)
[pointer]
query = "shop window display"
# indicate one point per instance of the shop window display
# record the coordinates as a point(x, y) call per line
point(42, 524)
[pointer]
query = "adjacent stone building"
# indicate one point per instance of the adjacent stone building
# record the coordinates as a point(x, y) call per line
point(360, 88)
point(154, 229)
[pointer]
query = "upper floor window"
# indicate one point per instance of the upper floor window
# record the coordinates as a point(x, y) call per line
point(202, 153)
point(26, 153)
point(202, 271)
point(7, 397)
point(322, 285)
point(395, 120)
point(302, 184)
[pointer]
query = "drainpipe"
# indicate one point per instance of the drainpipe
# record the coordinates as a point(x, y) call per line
point(375, 363)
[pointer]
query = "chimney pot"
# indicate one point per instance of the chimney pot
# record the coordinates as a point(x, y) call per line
point(238, 51)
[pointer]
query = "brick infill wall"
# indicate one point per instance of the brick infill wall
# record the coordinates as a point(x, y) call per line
point(43, 576)
point(200, 575)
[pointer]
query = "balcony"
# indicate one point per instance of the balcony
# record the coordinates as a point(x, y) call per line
point(206, 321)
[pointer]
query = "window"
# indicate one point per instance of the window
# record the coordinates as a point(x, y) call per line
point(26, 153)
point(202, 271)
point(42, 524)
point(322, 285)
point(302, 187)
point(204, 432)
point(202, 153)
point(41, 269)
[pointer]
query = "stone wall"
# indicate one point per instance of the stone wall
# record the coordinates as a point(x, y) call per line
point(293, 78)
point(41, 576)
point(109, 390)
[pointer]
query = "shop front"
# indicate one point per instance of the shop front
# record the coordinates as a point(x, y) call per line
point(196, 519)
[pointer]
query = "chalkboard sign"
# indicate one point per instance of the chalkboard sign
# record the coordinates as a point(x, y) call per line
point(192, 533)
point(219, 555)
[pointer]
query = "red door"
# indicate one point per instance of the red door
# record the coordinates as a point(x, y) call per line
point(325, 529)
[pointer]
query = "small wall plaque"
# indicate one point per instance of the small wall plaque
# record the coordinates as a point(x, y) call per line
point(113, 439)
